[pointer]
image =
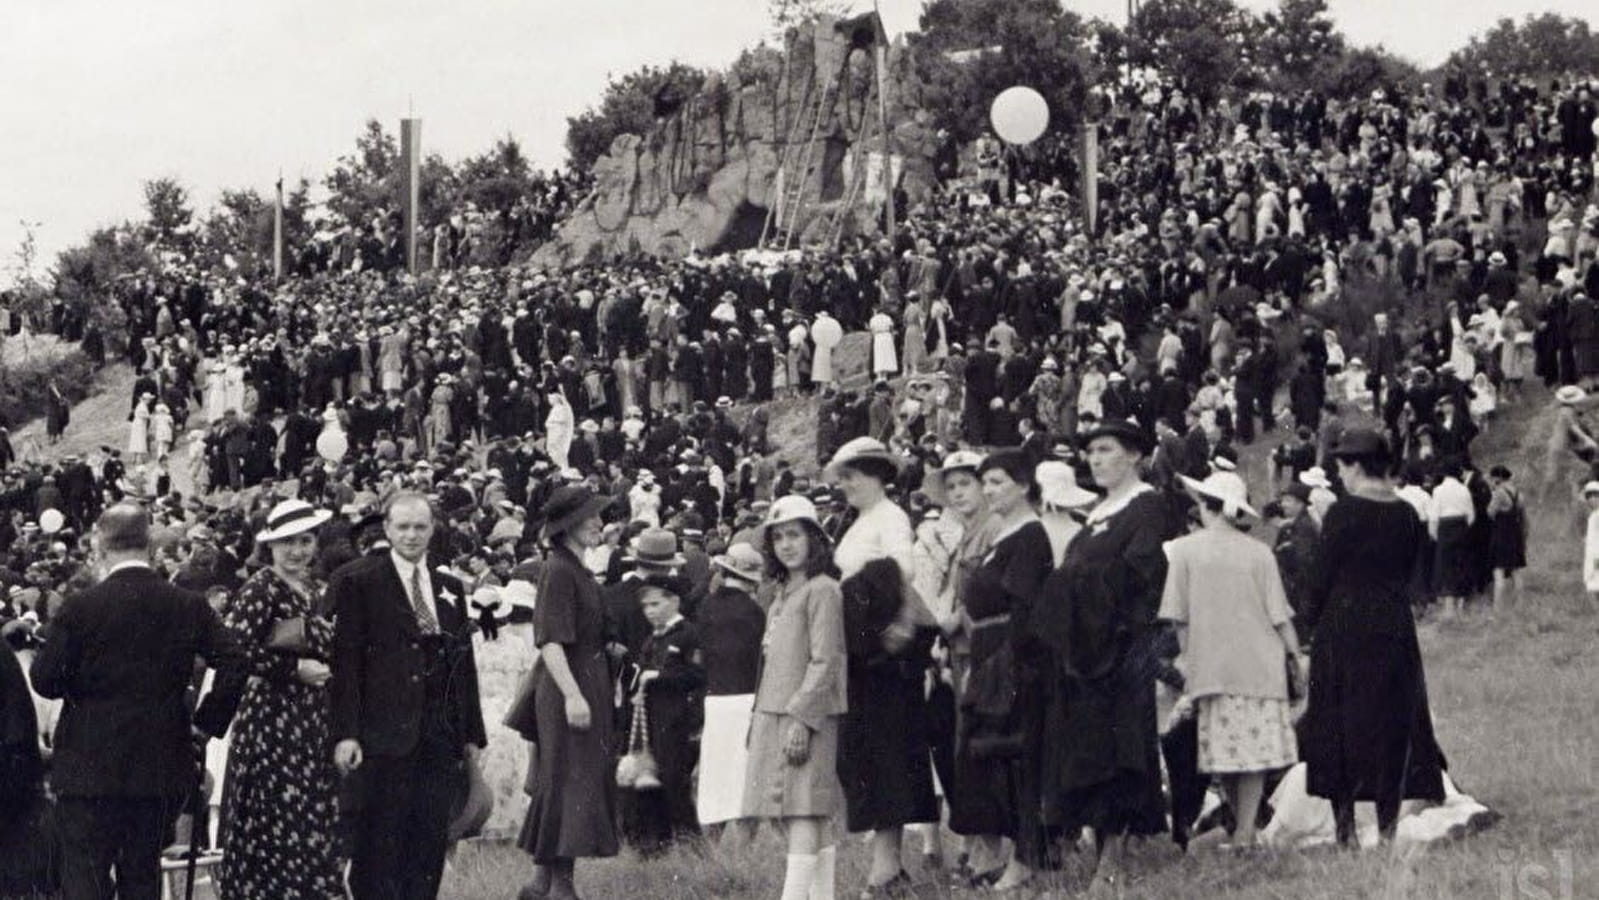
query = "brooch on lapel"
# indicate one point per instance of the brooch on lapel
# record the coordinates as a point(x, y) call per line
point(448, 596)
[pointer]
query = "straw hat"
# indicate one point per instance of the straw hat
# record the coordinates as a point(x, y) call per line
point(863, 449)
point(289, 518)
point(793, 508)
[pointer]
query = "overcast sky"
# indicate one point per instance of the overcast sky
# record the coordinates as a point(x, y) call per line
point(98, 95)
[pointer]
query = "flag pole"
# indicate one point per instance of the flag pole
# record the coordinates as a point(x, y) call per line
point(277, 231)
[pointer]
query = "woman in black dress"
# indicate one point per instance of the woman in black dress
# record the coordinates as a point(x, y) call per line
point(573, 808)
point(1096, 747)
point(1367, 734)
point(1001, 696)
point(1507, 541)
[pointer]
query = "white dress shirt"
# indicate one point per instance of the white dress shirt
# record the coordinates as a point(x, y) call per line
point(425, 579)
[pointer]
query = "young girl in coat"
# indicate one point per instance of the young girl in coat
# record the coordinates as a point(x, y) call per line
point(792, 778)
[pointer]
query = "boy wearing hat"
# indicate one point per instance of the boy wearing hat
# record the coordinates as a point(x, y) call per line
point(1295, 547)
point(670, 686)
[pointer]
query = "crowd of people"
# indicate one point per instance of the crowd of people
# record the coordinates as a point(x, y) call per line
point(1024, 521)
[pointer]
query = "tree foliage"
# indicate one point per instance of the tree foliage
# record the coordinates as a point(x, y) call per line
point(168, 215)
point(968, 51)
point(627, 107)
point(366, 181)
point(1542, 46)
point(1209, 46)
point(1299, 42)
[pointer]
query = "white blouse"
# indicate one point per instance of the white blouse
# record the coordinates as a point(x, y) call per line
point(883, 530)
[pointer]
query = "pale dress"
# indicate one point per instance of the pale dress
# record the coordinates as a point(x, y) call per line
point(1225, 587)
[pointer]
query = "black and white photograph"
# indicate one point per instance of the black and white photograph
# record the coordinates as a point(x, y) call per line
point(799, 450)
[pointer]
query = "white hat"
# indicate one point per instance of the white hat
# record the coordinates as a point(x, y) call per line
point(792, 508)
point(1569, 394)
point(863, 448)
point(289, 518)
point(1315, 477)
point(1227, 487)
point(1057, 483)
point(961, 459)
point(1591, 487)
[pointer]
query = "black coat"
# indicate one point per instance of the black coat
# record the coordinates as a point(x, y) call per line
point(121, 654)
point(379, 659)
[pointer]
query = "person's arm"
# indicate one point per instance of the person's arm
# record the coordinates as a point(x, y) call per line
point(250, 616)
point(811, 702)
point(221, 650)
point(56, 662)
point(349, 670)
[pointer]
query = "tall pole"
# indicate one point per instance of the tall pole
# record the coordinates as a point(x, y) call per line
point(411, 163)
point(888, 137)
point(277, 232)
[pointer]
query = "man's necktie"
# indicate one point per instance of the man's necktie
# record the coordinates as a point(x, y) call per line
point(425, 617)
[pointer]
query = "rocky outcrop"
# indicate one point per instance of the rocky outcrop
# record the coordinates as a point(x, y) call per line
point(707, 176)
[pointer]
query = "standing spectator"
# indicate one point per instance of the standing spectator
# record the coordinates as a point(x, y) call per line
point(405, 711)
point(281, 792)
point(800, 698)
point(1368, 730)
point(1507, 542)
point(121, 654)
point(884, 757)
point(1096, 748)
point(1226, 599)
point(731, 624)
point(573, 810)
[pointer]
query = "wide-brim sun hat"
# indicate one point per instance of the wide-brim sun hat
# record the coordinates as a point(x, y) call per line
point(1058, 486)
point(569, 505)
point(1226, 487)
point(1569, 394)
point(289, 518)
point(863, 449)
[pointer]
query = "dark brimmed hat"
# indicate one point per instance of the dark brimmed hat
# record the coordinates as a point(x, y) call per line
point(1128, 434)
point(570, 504)
point(1361, 442)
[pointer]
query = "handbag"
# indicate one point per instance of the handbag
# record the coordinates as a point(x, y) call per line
point(522, 716)
point(288, 636)
point(638, 770)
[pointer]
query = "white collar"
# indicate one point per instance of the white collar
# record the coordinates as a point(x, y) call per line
point(128, 564)
point(404, 565)
point(1108, 508)
point(672, 623)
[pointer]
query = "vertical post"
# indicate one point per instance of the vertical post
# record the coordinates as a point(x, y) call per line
point(1090, 167)
point(277, 232)
point(410, 177)
point(888, 138)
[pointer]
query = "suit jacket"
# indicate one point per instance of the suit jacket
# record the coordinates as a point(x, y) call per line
point(380, 659)
point(803, 670)
point(121, 655)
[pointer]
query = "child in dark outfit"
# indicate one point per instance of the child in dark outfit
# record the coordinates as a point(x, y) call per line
point(671, 685)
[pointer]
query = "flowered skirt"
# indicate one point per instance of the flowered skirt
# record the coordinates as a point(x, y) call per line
point(1245, 734)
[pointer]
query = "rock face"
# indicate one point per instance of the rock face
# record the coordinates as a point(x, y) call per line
point(707, 176)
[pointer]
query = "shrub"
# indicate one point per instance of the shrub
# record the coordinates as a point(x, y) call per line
point(25, 384)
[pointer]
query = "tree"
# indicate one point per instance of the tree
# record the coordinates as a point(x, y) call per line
point(27, 296)
point(1299, 41)
point(1208, 46)
point(968, 51)
point(85, 274)
point(1358, 72)
point(629, 106)
point(166, 204)
point(365, 183)
point(787, 14)
point(1543, 46)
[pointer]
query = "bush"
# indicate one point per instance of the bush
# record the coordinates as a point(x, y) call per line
point(24, 385)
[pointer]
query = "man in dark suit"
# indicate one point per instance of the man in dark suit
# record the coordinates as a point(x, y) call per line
point(406, 716)
point(121, 655)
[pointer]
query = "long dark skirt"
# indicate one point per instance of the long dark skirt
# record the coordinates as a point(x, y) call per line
point(884, 759)
point(1100, 749)
point(572, 774)
point(1452, 566)
point(1368, 731)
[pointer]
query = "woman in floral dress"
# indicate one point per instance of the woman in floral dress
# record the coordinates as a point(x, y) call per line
point(280, 795)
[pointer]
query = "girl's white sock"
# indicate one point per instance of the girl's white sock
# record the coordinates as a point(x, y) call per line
point(799, 876)
point(822, 886)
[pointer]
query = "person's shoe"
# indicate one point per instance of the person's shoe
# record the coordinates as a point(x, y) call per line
point(896, 887)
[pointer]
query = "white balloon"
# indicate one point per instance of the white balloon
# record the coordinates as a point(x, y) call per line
point(1019, 115)
point(51, 521)
point(332, 445)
